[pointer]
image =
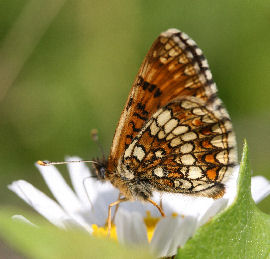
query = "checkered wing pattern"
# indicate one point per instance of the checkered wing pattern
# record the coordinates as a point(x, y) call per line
point(183, 148)
point(174, 133)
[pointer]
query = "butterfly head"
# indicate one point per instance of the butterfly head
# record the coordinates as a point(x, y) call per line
point(100, 168)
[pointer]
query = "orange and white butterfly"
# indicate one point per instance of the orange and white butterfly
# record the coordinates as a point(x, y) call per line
point(174, 134)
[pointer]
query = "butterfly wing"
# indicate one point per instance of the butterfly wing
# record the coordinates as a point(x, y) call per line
point(173, 67)
point(183, 148)
point(172, 100)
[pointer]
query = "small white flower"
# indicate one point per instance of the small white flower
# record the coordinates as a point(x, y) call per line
point(87, 208)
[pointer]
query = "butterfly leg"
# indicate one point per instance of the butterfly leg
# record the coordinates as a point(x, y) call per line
point(109, 219)
point(157, 206)
point(116, 208)
point(160, 202)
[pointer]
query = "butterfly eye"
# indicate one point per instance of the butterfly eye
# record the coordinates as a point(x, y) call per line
point(102, 172)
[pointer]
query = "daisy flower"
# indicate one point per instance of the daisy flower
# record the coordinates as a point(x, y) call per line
point(136, 223)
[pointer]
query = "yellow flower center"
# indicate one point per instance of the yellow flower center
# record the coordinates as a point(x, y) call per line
point(149, 221)
point(103, 231)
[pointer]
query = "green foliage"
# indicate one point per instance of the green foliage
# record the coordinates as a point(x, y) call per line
point(47, 242)
point(241, 231)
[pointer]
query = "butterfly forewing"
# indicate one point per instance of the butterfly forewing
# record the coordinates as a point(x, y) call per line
point(173, 67)
point(174, 133)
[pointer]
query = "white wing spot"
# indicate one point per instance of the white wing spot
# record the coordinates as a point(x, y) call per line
point(184, 36)
point(198, 51)
point(170, 125)
point(188, 105)
point(126, 173)
point(217, 141)
point(138, 153)
point(185, 184)
point(189, 71)
point(161, 134)
point(176, 183)
point(154, 128)
point(159, 153)
point(180, 130)
point(189, 136)
point(191, 42)
point(130, 148)
point(183, 59)
point(202, 78)
point(183, 170)
point(208, 74)
point(216, 129)
point(159, 172)
point(205, 63)
point(222, 157)
point(221, 173)
point(173, 52)
point(187, 159)
point(163, 117)
point(198, 111)
point(213, 87)
point(207, 119)
point(186, 148)
point(189, 55)
point(170, 136)
point(163, 60)
point(216, 103)
point(194, 172)
point(175, 142)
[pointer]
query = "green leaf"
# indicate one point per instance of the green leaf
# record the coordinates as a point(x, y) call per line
point(47, 241)
point(241, 231)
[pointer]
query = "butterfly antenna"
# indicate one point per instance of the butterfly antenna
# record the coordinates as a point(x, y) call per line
point(94, 136)
point(47, 163)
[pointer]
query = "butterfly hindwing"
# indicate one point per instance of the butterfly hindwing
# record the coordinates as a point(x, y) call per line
point(183, 148)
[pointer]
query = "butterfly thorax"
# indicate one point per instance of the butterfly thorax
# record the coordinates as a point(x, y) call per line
point(129, 185)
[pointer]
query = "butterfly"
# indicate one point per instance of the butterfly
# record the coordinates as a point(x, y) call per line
point(174, 134)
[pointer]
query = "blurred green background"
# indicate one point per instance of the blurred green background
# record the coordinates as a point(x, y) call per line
point(67, 67)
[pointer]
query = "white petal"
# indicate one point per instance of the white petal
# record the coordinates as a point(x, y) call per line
point(260, 188)
point(215, 208)
point(40, 202)
point(100, 195)
point(47, 207)
point(131, 229)
point(79, 173)
point(231, 186)
point(21, 218)
point(185, 205)
point(66, 197)
point(140, 207)
point(60, 190)
point(171, 233)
